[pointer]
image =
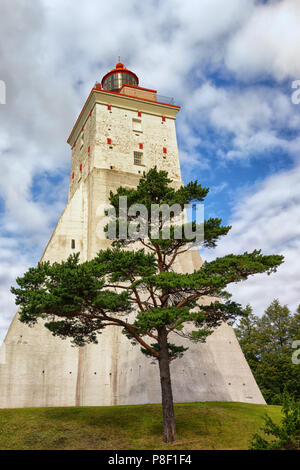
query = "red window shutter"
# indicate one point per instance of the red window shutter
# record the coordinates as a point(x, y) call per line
point(163, 118)
point(141, 146)
point(74, 145)
point(80, 167)
point(109, 107)
point(73, 175)
point(165, 149)
point(82, 128)
point(139, 113)
point(91, 112)
point(89, 149)
point(108, 141)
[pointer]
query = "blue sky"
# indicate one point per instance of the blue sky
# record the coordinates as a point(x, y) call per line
point(230, 65)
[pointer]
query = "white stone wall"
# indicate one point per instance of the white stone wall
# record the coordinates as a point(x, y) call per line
point(101, 123)
point(82, 152)
point(155, 134)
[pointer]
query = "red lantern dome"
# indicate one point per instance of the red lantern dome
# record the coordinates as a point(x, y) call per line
point(119, 76)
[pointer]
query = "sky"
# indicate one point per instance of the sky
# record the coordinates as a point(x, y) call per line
point(229, 65)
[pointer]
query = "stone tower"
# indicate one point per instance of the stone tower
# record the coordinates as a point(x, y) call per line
point(122, 130)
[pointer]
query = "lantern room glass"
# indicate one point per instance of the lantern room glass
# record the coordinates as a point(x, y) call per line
point(116, 80)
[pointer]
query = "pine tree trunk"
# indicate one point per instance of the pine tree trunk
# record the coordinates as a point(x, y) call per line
point(166, 387)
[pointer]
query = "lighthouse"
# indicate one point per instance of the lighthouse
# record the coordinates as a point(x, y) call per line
point(122, 131)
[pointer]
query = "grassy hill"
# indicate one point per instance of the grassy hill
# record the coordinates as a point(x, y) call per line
point(207, 425)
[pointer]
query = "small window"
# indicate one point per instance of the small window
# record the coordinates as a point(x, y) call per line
point(137, 158)
point(73, 244)
point(137, 125)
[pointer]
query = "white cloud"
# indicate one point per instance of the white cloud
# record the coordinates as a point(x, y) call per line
point(54, 51)
point(268, 218)
point(251, 117)
point(268, 43)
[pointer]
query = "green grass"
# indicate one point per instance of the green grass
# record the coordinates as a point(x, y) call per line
point(210, 425)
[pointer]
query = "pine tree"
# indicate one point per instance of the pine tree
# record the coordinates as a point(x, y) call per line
point(282, 436)
point(267, 345)
point(138, 290)
point(246, 333)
